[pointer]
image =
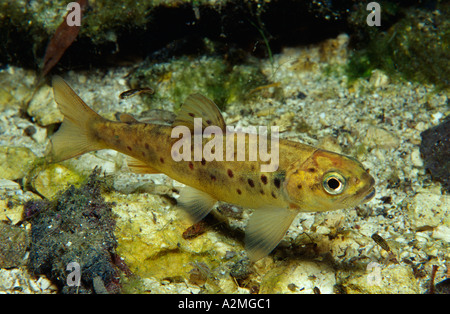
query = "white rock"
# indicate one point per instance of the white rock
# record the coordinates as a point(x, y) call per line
point(43, 107)
point(442, 232)
point(380, 137)
point(416, 160)
point(427, 209)
point(378, 78)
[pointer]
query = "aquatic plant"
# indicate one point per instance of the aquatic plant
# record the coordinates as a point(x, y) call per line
point(77, 226)
point(414, 48)
point(224, 83)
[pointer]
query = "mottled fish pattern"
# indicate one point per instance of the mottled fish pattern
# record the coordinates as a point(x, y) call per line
point(307, 178)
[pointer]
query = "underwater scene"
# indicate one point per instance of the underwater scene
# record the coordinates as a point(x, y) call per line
point(224, 147)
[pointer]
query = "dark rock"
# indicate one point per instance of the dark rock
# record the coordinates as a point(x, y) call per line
point(75, 227)
point(13, 244)
point(435, 150)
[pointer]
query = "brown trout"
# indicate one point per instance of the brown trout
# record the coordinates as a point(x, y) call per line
point(305, 179)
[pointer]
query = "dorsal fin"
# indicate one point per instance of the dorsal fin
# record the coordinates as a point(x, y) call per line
point(198, 106)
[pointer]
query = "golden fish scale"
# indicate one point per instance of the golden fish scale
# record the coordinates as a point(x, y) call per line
point(237, 182)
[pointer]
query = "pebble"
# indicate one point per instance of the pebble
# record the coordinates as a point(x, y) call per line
point(381, 138)
point(442, 232)
point(393, 279)
point(15, 162)
point(416, 160)
point(378, 79)
point(54, 179)
point(427, 210)
point(43, 107)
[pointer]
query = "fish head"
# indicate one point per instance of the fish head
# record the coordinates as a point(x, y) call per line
point(328, 181)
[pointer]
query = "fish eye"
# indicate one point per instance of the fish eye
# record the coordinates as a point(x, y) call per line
point(333, 183)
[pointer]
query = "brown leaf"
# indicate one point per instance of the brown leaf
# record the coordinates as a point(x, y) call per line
point(61, 40)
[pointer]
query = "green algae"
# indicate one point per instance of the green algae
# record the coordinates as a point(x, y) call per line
point(414, 48)
point(76, 226)
point(212, 76)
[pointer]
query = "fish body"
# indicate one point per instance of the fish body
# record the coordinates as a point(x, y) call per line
point(305, 178)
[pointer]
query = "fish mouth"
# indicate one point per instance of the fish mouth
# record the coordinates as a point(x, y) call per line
point(369, 196)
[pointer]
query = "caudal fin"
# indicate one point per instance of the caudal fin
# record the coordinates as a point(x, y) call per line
point(75, 135)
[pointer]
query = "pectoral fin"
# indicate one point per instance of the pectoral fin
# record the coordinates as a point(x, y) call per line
point(265, 229)
point(140, 167)
point(197, 203)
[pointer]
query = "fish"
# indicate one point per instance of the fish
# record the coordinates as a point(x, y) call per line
point(306, 179)
point(136, 91)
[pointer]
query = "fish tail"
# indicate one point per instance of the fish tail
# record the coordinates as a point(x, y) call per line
point(75, 135)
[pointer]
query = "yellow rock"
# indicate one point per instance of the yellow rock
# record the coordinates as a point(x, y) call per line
point(393, 279)
point(15, 162)
point(304, 274)
point(11, 214)
point(150, 240)
point(54, 179)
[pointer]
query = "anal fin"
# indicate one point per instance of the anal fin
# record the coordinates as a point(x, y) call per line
point(197, 203)
point(265, 229)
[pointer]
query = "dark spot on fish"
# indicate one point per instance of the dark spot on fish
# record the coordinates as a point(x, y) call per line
point(299, 186)
point(273, 195)
point(230, 173)
point(146, 146)
point(143, 154)
point(208, 122)
point(238, 191)
point(264, 179)
point(191, 114)
point(312, 169)
point(213, 177)
point(191, 166)
point(277, 182)
point(161, 160)
point(251, 183)
point(203, 161)
point(261, 191)
point(129, 148)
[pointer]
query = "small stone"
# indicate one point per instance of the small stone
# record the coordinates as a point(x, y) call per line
point(379, 279)
point(378, 79)
point(442, 232)
point(427, 210)
point(10, 212)
point(416, 160)
point(8, 186)
point(303, 273)
point(15, 162)
point(381, 138)
point(54, 179)
point(13, 245)
point(44, 108)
